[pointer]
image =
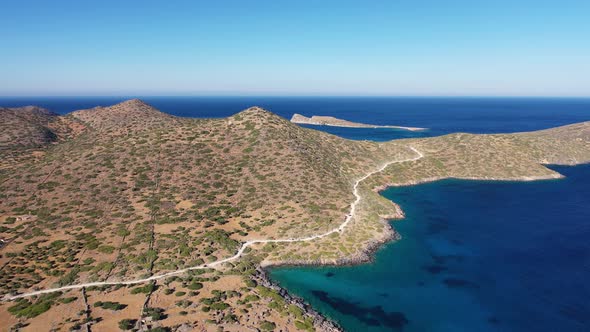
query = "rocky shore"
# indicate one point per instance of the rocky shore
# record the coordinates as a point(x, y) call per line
point(363, 256)
point(319, 120)
point(482, 178)
point(320, 322)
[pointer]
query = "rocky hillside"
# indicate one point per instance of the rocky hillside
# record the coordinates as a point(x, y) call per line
point(128, 116)
point(567, 145)
point(30, 127)
point(144, 193)
point(24, 130)
point(139, 193)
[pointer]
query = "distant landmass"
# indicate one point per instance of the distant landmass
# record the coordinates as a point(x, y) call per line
point(320, 120)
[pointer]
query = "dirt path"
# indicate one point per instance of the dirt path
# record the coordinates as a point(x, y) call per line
point(240, 252)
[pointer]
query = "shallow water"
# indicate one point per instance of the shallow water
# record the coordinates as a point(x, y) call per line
point(474, 256)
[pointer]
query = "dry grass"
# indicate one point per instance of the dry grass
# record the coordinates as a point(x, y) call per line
point(140, 192)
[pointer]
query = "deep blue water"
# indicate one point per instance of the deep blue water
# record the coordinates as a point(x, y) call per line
point(441, 115)
point(474, 256)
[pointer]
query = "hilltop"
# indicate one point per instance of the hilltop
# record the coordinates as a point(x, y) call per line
point(130, 115)
point(136, 193)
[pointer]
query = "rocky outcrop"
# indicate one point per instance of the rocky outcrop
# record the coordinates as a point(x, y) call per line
point(320, 322)
point(335, 122)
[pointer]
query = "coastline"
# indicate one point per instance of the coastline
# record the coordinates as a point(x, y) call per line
point(365, 126)
point(345, 276)
point(509, 158)
point(554, 176)
point(321, 322)
point(320, 120)
point(364, 256)
point(367, 254)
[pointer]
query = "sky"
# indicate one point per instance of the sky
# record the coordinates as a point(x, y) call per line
point(321, 47)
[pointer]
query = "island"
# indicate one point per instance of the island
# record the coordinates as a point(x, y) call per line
point(319, 120)
point(124, 217)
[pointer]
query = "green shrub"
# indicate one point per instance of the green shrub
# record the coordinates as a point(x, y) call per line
point(251, 298)
point(68, 299)
point(230, 318)
point(127, 324)
point(295, 311)
point(195, 286)
point(219, 306)
point(160, 329)
point(144, 289)
point(154, 313)
point(24, 308)
point(267, 326)
point(106, 249)
point(110, 305)
point(306, 325)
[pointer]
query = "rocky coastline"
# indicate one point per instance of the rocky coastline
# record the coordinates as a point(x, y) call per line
point(320, 322)
point(366, 255)
point(383, 187)
point(320, 120)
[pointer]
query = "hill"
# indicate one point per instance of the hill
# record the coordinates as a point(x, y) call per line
point(130, 115)
point(24, 130)
point(157, 201)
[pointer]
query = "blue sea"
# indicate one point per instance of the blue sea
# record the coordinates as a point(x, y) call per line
point(474, 255)
point(440, 115)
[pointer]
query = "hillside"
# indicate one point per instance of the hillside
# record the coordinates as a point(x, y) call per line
point(24, 130)
point(140, 193)
point(143, 193)
point(125, 117)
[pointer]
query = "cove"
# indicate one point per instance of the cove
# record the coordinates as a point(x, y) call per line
point(474, 256)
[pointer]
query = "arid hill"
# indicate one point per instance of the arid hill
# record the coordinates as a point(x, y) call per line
point(130, 115)
point(30, 128)
point(139, 193)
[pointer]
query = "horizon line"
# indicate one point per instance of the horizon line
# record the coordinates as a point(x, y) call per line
point(131, 96)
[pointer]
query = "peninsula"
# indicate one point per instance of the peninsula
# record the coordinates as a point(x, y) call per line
point(331, 121)
point(124, 217)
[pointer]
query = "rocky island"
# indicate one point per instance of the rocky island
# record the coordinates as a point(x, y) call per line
point(319, 120)
point(124, 217)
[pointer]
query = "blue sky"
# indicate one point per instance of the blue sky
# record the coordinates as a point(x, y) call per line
point(226, 47)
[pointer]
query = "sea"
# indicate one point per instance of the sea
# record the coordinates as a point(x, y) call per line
point(473, 255)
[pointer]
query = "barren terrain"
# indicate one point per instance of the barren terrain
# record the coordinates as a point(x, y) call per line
point(162, 222)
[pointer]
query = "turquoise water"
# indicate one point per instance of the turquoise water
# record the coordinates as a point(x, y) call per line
point(474, 256)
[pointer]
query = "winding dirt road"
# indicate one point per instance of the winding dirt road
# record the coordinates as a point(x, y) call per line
point(245, 245)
